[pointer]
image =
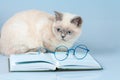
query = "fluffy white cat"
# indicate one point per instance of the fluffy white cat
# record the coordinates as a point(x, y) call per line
point(29, 30)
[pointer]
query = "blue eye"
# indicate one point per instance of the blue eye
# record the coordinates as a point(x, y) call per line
point(69, 32)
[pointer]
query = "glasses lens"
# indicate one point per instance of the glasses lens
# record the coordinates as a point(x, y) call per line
point(80, 52)
point(61, 53)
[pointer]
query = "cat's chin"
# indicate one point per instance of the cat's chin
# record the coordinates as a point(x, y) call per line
point(64, 40)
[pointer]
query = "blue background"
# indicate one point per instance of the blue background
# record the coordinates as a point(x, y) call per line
point(101, 18)
point(101, 33)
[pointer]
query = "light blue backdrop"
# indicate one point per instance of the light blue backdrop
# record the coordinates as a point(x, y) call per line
point(101, 18)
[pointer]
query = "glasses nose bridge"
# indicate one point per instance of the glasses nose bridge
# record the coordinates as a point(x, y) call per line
point(71, 51)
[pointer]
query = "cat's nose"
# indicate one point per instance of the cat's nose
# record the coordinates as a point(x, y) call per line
point(63, 36)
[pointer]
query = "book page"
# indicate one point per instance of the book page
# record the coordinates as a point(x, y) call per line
point(72, 63)
point(31, 62)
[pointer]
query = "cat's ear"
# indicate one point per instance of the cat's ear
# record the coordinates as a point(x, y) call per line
point(58, 16)
point(77, 21)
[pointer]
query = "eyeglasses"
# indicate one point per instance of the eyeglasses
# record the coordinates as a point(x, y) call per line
point(62, 52)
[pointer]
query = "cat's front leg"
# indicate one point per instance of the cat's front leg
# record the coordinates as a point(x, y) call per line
point(39, 50)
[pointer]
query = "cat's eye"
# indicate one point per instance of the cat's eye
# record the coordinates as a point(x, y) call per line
point(69, 32)
point(58, 29)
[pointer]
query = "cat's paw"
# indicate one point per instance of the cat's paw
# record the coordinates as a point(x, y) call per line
point(42, 50)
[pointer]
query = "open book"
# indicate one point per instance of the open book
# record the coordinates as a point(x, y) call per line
point(47, 61)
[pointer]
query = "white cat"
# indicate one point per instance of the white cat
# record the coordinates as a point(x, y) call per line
point(29, 30)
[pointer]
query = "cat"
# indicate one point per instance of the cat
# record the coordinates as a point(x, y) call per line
point(28, 30)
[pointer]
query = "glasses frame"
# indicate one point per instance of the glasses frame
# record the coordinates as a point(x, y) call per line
point(73, 49)
point(82, 46)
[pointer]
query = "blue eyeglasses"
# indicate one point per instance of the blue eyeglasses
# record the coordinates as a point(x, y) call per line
point(62, 52)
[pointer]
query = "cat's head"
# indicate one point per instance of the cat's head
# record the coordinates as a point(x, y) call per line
point(66, 26)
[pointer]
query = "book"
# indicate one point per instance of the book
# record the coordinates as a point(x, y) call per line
point(48, 62)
